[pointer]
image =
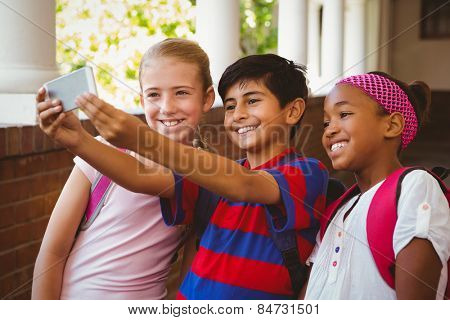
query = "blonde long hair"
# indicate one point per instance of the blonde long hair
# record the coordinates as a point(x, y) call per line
point(183, 50)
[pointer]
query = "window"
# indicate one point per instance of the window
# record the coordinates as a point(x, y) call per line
point(436, 19)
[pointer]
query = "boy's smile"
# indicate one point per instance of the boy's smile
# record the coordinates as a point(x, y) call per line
point(253, 117)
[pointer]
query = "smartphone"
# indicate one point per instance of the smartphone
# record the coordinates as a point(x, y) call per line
point(67, 87)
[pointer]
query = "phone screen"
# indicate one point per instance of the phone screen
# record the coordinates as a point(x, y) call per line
point(66, 88)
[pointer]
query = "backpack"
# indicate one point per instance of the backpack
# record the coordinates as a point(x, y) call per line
point(285, 241)
point(99, 190)
point(380, 228)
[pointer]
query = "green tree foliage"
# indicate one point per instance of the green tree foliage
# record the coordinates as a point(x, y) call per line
point(258, 28)
point(111, 36)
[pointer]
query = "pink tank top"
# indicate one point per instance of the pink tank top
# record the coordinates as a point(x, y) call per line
point(125, 253)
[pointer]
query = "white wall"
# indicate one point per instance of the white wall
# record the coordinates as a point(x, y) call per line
point(416, 59)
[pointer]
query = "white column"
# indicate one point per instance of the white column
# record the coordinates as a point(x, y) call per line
point(354, 43)
point(217, 32)
point(386, 27)
point(27, 37)
point(372, 34)
point(313, 46)
point(292, 30)
point(332, 42)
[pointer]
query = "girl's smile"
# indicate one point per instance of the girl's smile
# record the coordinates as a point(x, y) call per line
point(173, 97)
point(337, 146)
point(352, 128)
point(171, 122)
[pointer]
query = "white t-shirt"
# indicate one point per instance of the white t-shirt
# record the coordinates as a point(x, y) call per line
point(343, 265)
point(125, 253)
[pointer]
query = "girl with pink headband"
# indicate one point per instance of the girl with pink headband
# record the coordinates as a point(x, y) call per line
point(368, 120)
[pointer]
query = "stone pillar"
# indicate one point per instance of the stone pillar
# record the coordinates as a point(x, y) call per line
point(332, 42)
point(354, 43)
point(218, 32)
point(314, 40)
point(386, 31)
point(292, 30)
point(28, 55)
point(372, 38)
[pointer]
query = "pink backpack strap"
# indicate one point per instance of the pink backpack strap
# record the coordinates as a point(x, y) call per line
point(331, 210)
point(99, 190)
point(96, 199)
point(381, 221)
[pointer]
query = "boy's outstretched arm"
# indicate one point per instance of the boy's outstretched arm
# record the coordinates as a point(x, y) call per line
point(417, 271)
point(125, 170)
point(213, 172)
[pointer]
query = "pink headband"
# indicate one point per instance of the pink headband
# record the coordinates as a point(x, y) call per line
point(391, 97)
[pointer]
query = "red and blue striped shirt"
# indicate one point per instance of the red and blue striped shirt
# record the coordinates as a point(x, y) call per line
point(237, 258)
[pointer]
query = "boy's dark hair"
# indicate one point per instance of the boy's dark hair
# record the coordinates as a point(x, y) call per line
point(285, 79)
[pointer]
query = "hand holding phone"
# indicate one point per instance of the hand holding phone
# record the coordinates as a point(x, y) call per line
point(67, 87)
point(63, 127)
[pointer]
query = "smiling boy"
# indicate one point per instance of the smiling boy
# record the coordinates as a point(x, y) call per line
point(273, 190)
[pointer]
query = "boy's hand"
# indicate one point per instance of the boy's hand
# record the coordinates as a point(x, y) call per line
point(116, 126)
point(64, 128)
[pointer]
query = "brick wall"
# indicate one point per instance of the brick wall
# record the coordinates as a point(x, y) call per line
point(33, 171)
